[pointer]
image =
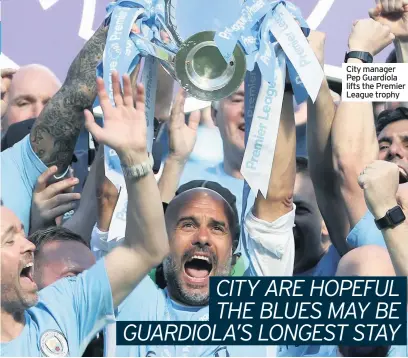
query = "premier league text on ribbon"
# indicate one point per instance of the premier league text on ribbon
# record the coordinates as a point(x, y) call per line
point(277, 311)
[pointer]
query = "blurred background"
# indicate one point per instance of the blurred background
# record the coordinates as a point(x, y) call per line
point(51, 32)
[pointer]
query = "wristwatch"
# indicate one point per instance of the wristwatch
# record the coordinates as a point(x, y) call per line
point(392, 218)
point(366, 57)
point(139, 170)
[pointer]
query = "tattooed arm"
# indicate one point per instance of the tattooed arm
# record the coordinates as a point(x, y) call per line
point(55, 132)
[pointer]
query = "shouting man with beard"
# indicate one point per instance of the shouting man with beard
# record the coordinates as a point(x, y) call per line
point(62, 318)
point(203, 229)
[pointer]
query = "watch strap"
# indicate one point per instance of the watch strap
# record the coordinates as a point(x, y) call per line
point(392, 218)
point(138, 170)
point(383, 223)
point(366, 57)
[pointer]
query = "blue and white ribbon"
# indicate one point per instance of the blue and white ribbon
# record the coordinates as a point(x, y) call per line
point(273, 37)
point(125, 49)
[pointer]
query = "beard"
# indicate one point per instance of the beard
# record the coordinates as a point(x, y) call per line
point(14, 301)
point(172, 271)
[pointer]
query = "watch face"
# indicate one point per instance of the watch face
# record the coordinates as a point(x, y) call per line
point(396, 215)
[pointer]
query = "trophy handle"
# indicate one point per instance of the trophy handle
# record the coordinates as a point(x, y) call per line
point(171, 22)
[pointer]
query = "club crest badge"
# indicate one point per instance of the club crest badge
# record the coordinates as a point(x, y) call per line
point(53, 344)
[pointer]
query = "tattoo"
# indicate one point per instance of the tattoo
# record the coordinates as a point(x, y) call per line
point(55, 132)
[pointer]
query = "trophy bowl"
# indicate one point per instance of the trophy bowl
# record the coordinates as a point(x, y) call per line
point(203, 72)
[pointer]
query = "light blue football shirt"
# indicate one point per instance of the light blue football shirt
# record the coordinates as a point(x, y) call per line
point(67, 316)
point(149, 303)
point(365, 232)
point(20, 169)
point(271, 250)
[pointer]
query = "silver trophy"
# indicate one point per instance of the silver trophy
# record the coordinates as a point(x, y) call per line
point(199, 66)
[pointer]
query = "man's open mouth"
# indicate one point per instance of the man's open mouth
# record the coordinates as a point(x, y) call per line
point(27, 271)
point(241, 127)
point(403, 178)
point(198, 266)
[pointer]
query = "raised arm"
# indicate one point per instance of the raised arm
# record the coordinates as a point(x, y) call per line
point(354, 138)
point(279, 200)
point(146, 243)
point(394, 14)
point(84, 218)
point(382, 192)
point(320, 118)
point(56, 130)
point(182, 138)
point(268, 239)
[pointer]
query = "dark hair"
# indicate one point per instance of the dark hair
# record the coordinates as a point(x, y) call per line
point(53, 233)
point(389, 116)
point(364, 351)
point(160, 280)
point(302, 165)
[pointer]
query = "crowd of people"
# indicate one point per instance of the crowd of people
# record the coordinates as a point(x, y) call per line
point(337, 201)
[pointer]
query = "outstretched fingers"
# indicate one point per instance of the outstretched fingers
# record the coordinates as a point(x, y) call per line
point(140, 97)
point(92, 126)
point(117, 92)
point(103, 95)
point(178, 109)
point(194, 120)
point(127, 92)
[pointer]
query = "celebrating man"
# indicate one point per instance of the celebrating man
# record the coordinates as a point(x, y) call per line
point(64, 317)
point(203, 228)
point(353, 138)
point(54, 134)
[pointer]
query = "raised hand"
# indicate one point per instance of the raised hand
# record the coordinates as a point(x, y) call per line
point(317, 40)
point(380, 181)
point(370, 36)
point(125, 124)
point(394, 14)
point(182, 137)
point(51, 200)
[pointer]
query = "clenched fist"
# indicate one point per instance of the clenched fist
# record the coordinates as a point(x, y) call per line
point(370, 36)
point(380, 181)
point(394, 14)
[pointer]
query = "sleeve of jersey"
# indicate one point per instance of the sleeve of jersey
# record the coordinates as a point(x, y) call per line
point(100, 246)
point(20, 170)
point(83, 305)
point(366, 233)
point(30, 165)
point(269, 246)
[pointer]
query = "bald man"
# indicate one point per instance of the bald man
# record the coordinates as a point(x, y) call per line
point(31, 87)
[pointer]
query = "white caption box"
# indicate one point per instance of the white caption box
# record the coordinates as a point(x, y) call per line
point(380, 82)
